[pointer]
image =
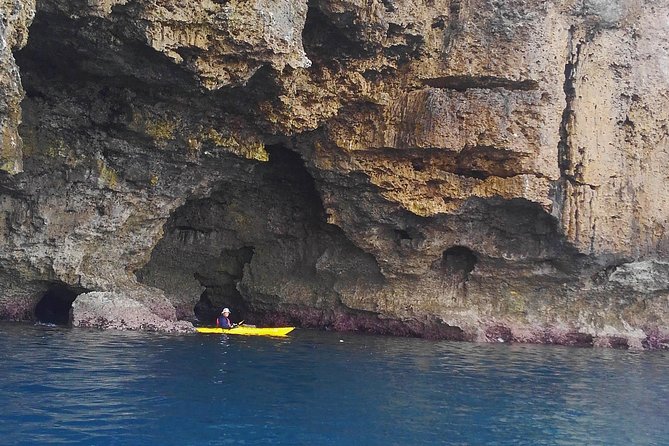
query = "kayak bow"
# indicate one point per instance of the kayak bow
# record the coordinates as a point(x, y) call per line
point(246, 330)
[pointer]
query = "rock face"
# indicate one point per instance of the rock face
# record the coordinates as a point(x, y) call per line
point(118, 311)
point(462, 169)
point(16, 17)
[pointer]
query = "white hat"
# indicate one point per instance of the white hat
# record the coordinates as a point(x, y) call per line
point(225, 310)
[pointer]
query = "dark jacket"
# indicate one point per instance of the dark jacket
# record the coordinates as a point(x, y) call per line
point(223, 322)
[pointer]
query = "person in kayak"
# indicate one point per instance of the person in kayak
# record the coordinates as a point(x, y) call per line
point(223, 320)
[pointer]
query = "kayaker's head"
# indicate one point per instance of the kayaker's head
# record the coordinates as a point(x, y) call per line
point(225, 312)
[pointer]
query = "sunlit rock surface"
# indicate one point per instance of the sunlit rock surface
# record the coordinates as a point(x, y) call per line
point(476, 170)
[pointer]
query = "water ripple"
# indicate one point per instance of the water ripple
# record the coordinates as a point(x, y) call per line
point(122, 388)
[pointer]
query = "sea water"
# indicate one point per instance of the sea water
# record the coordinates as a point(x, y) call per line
point(77, 386)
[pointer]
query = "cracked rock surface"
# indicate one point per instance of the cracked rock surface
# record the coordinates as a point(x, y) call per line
point(464, 169)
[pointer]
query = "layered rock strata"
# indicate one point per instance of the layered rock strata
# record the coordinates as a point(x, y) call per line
point(475, 170)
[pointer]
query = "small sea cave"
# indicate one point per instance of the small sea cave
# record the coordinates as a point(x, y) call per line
point(55, 305)
point(257, 244)
point(204, 310)
point(270, 210)
point(213, 300)
point(458, 262)
point(221, 287)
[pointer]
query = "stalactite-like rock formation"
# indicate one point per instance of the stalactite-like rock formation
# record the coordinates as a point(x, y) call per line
point(462, 169)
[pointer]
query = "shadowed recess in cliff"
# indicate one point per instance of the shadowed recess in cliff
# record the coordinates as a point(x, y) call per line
point(519, 232)
point(54, 306)
point(221, 287)
point(478, 161)
point(462, 83)
point(458, 262)
point(113, 82)
point(409, 237)
point(75, 50)
point(482, 162)
point(326, 42)
point(255, 242)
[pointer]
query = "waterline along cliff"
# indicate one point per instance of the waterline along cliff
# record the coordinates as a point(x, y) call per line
point(477, 170)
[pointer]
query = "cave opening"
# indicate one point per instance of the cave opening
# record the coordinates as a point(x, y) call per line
point(326, 40)
point(269, 212)
point(66, 51)
point(55, 305)
point(205, 310)
point(459, 261)
point(287, 175)
point(221, 287)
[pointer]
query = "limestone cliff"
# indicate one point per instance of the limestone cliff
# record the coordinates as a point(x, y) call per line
point(465, 169)
point(16, 17)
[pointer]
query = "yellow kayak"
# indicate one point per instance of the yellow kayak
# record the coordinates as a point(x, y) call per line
point(247, 330)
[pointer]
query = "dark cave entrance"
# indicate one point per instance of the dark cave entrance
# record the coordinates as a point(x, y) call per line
point(55, 305)
point(287, 173)
point(262, 225)
point(458, 262)
point(325, 42)
point(280, 202)
point(221, 288)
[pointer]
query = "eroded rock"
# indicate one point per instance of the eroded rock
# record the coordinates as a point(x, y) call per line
point(16, 16)
point(121, 311)
point(477, 170)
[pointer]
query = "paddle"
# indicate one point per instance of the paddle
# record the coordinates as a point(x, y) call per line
point(242, 324)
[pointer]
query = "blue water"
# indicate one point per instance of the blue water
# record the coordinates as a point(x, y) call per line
point(76, 386)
